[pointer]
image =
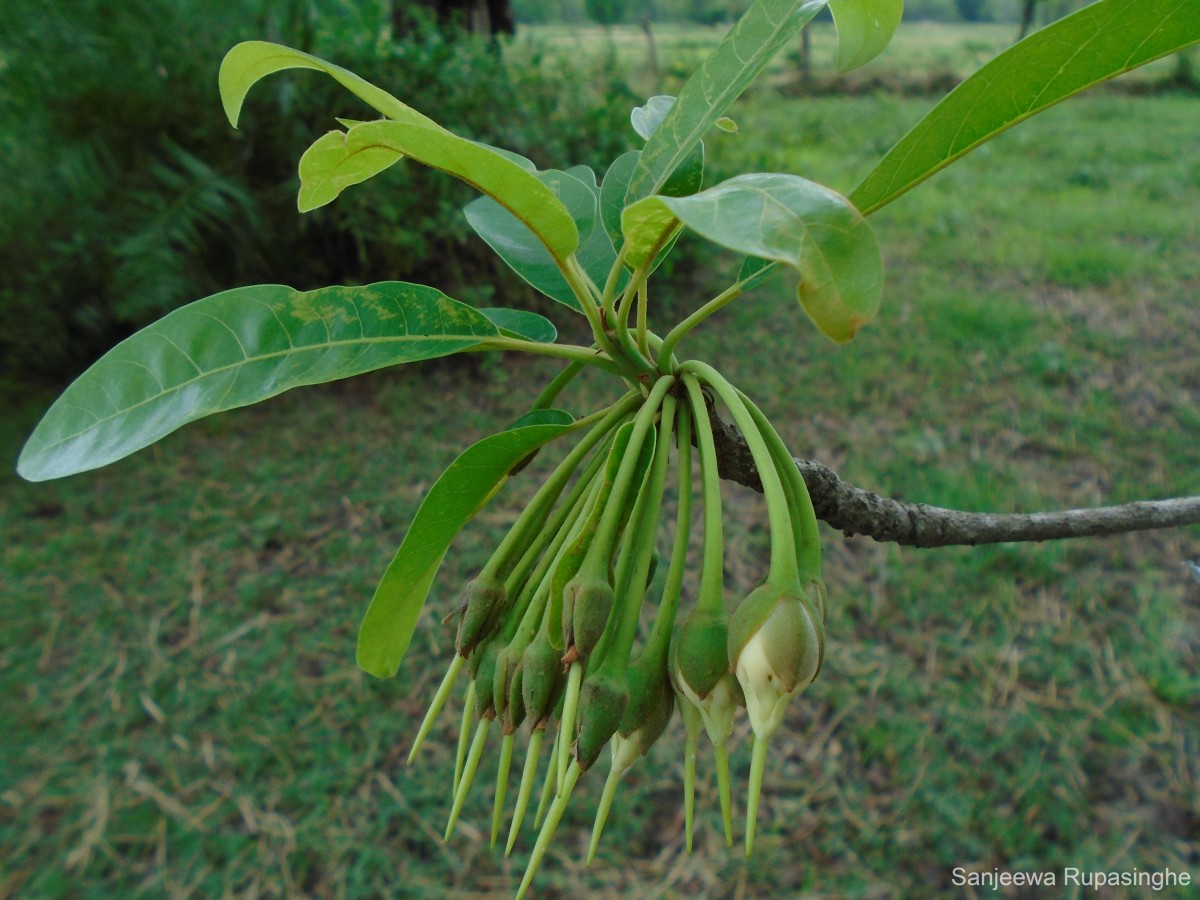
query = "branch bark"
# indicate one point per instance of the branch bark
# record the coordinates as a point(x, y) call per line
point(855, 511)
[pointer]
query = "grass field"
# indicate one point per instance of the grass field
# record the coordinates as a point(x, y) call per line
point(922, 53)
point(180, 713)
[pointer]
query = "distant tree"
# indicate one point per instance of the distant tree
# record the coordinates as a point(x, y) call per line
point(711, 12)
point(973, 10)
point(606, 12)
point(491, 16)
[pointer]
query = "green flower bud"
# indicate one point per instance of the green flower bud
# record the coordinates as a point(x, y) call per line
point(602, 703)
point(482, 666)
point(588, 602)
point(777, 645)
point(651, 702)
point(718, 708)
point(484, 604)
point(699, 653)
point(647, 688)
point(820, 600)
point(541, 679)
point(506, 690)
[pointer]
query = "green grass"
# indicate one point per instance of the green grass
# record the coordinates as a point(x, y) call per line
point(180, 708)
point(921, 57)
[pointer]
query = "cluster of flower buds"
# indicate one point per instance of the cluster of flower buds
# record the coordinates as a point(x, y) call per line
point(547, 631)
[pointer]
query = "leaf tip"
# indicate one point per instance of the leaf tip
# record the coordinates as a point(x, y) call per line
point(28, 467)
point(374, 664)
point(228, 82)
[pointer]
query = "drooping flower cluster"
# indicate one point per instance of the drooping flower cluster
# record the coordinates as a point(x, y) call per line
point(547, 629)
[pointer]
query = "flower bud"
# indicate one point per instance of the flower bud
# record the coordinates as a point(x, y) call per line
point(651, 702)
point(699, 653)
point(588, 604)
point(602, 703)
point(777, 644)
point(820, 600)
point(541, 679)
point(484, 603)
point(482, 667)
point(506, 689)
point(718, 708)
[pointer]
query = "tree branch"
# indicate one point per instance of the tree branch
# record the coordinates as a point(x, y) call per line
point(854, 511)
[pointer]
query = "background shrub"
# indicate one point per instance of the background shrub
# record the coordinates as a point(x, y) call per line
point(133, 195)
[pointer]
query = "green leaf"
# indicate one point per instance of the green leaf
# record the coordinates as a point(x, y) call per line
point(461, 491)
point(330, 168)
point(755, 271)
point(527, 256)
point(689, 176)
point(766, 27)
point(512, 157)
point(236, 348)
point(613, 190)
point(645, 119)
point(519, 191)
point(864, 29)
point(250, 61)
point(522, 324)
point(648, 226)
point(1096, 43)
point(796, 222)
point(326, 169)
point(542, 417)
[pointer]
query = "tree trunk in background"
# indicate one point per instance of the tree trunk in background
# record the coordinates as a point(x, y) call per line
point(1184, 75)
point(1026, 18)
point(652, 51)
point(492, 17)
point(805, 55)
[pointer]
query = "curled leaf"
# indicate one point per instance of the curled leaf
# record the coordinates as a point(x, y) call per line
point(786, 219)
point(327, 169)
point(251, 61)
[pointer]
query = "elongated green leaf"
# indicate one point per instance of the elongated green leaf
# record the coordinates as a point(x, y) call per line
point(765, 28)
point(234, 349)
point(520, 192)
point(683, 183)
point(369, 147)
point(865, 28)
point(527, 256)
point(613, 191)
point(326, 169)
point(461, 491)
point(250, 61)
point(1096, 43)
point(522, 324)
point(688, 177)
point(512, 157)
point(801, 224)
